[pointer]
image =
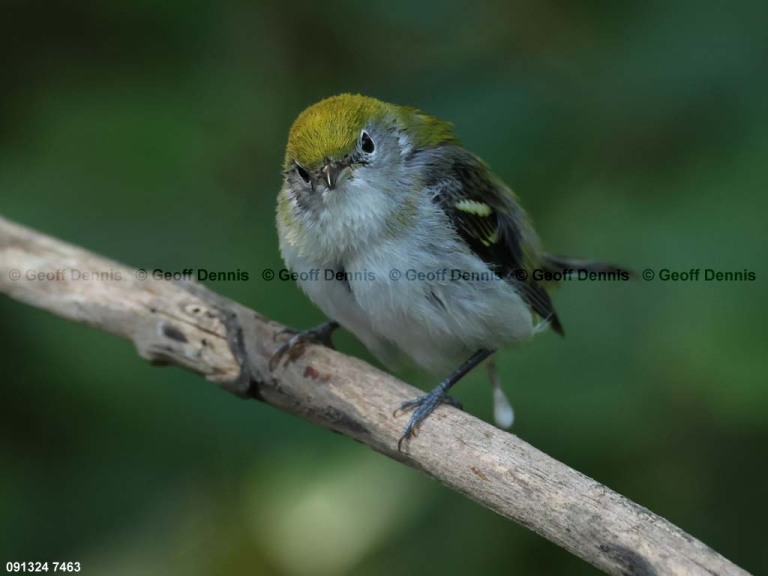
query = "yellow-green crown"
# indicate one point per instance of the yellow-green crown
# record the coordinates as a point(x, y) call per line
point(330, 128)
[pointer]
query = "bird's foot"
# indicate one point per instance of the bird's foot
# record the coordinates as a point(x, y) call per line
point(297, 339)
point(422, 407)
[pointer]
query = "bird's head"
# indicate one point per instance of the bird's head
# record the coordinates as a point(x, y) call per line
point(348, 166)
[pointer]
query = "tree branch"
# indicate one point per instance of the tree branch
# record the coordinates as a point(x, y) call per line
point(189, 326)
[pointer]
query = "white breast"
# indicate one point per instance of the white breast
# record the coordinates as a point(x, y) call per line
point(403, 294)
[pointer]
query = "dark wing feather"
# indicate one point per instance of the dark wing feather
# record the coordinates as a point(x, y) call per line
point(486, 217)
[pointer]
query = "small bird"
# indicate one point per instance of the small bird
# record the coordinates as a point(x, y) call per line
point(402, 236)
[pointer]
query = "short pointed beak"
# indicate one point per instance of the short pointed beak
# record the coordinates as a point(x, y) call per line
point(331, 173)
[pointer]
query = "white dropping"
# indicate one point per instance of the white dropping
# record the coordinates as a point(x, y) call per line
point(503, 414)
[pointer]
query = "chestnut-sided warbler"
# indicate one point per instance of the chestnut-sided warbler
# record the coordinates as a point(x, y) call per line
point(402, 236)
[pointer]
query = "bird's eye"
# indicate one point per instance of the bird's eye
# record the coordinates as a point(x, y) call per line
point(302, 173)
point(366, 143)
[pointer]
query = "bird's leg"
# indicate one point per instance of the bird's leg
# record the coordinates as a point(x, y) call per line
point(317, 335)
point(424, 405)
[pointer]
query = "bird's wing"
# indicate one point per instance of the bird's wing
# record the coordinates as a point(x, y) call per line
point(484, 212)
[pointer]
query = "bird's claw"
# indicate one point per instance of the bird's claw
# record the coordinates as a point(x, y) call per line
point(422, 407)
point(299, 338)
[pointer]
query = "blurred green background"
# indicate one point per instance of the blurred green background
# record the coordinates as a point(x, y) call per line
point(153, 133)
